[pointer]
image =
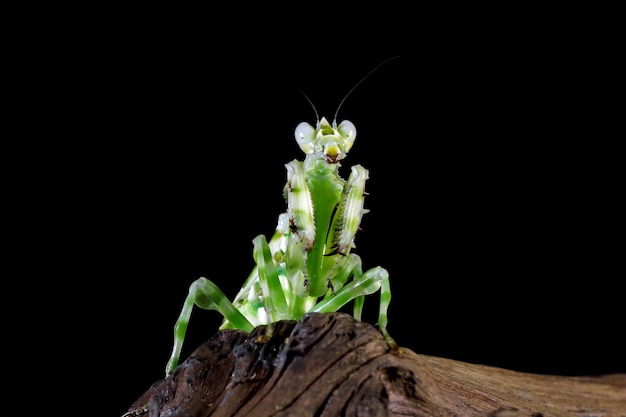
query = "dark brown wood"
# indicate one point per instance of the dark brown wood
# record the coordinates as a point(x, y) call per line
point(332, 365)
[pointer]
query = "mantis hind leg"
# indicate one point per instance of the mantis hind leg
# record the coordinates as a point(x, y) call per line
point(362, 284)
point(205, 294)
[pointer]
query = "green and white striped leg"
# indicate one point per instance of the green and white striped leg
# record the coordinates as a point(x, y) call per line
point(208, 296)
point(274, 300)
point(364, 284)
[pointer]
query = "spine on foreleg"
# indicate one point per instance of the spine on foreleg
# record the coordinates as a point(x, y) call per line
point(350, 211)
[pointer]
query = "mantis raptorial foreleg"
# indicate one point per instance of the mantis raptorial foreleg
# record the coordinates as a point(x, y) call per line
point(306, 266)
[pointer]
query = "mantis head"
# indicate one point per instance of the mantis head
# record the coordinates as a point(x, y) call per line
point(331, 141)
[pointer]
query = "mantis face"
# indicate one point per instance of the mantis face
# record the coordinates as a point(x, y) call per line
point(330, 141)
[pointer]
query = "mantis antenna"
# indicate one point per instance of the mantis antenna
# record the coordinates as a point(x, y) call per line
point(359, 83)
point(317, 117)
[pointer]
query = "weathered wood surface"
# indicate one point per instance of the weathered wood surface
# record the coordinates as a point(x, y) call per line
point(331, 365)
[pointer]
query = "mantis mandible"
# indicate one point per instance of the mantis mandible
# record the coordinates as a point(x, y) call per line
point(307, 265)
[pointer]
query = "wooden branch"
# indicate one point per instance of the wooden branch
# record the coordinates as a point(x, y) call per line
point(332, 365)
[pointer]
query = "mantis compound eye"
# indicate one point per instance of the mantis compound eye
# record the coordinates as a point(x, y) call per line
point(348, 133)
point(305, 134)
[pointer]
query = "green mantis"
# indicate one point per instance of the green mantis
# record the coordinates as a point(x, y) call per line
point(308, 264)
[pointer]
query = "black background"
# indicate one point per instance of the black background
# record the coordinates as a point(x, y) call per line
point(144, 146)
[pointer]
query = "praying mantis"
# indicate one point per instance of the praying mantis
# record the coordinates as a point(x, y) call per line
point(308, 264)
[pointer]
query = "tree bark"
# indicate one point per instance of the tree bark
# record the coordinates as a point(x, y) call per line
point(332, 365)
